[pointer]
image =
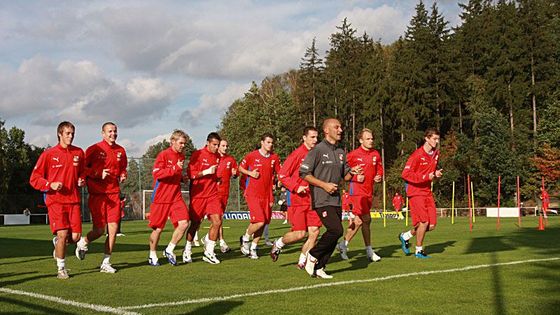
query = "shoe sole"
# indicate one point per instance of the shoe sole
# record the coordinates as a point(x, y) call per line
point(107, 271)
point(405, 249)
point(208, 260)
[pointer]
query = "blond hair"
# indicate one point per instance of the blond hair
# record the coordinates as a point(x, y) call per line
point(177, 133)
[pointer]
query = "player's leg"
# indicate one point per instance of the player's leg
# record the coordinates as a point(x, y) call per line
point(299, 226)
point(354, 225)
point(320, 254)
point(60, 253)
point(366, 233)
point(210, 239)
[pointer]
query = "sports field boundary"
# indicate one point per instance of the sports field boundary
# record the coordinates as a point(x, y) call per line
point(332, 284)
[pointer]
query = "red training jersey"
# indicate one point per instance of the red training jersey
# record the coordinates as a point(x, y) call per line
point(102, 156)
point(167, 177)
point(57, 164)
point(370, 161)
point(205, 186)
point(397, 202)
point(225, 167)
point(289, 177)
point(268, 166)
point(417, 172)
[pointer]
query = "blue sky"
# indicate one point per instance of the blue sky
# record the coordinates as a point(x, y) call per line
point(153, 66)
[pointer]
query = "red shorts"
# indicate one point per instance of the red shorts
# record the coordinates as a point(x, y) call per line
point(361, 205)
point(223, 202)
point(65, 216)
point(160, 212)
point(259, 209)
point(104, 208)
point(423, 209)
point(302, 217)
point(199, 207)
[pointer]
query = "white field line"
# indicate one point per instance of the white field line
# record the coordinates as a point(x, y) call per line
point(332, 284)
point(95, 307)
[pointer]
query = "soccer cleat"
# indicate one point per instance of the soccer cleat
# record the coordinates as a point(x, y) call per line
point(107, 268)
point(404, 245)
point(120, 234)
point(224, 248)
point(187, 257)
point(310, 264)
point(300, 265)
point(170, 258)
point(268, 243)
point(321, 274)
point(275, 252)
point(81, 252)
point(253, 254)
point(210, 258)
point(153, 262)
point(343, 249)
point(244, 246)
point(373, 257)
point(62, 274)
point(421, 254)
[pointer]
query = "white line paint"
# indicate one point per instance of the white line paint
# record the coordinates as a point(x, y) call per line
point(95, 307)
point(332, 284)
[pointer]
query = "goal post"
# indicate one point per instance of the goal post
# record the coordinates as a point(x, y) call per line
point(147, 200)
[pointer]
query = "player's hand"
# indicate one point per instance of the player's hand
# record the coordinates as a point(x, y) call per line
point(233, 171)
point(122, 178)
point(302, 189)
point(360, 178)
point(255, 173)
point(439, 173)
point(81, 182)
point(330, 188)
point(356, 170)
point(180, 164)
point(378, 178)
point(209, 171)
point(431, 175)
point(56, 186)
point(106, 172)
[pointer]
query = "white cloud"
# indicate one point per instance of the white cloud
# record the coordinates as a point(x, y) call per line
point(78, 91)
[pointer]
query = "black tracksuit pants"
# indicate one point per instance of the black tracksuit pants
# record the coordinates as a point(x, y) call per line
point(331, 217)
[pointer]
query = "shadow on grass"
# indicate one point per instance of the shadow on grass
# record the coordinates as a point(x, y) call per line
point(217, 308)
point(31, 308)
point(524, 237)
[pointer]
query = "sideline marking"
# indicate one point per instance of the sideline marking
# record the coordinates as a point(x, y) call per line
point(332, 284)
point(95, 307)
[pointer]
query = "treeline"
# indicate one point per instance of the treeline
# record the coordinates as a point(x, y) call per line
point(490, 85)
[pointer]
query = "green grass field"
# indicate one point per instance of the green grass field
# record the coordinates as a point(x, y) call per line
point(443, 284)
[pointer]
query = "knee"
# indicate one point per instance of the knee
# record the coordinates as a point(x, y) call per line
point(337, 231)
point(431, 227)
point(76, 237)
point(300, 234)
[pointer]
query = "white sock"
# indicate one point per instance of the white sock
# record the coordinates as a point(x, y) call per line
point(246, 237)
point(369, 249)
point(222, 242)
point(170, 247)
point(302, 258)
point(106, 259)
point(188, 246)
point(60, 263)
point(253, 246)
point(196, 236)
point(418, 249)
point(82, 243)
point(210, 245)
point(346, 243)
point(153, 255)
point(407, 235)
point(206, 238)
point(280, 243)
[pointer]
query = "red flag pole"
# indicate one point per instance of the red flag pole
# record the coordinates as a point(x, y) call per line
point(469, 197)
point(499, 189)
point(518, 204)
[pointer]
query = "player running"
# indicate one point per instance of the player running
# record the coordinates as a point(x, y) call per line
point(106, 168)
point(204, 198)
point(259, 167)
point(302, 217)
point(419, 172)
point(226, 170)
point(59, 173)
point(397, 204)
point(361, 193)
point(167, 201)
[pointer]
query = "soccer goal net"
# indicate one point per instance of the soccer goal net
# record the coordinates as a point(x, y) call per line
point(147, 200)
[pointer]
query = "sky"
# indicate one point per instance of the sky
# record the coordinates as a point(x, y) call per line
point(155, 66)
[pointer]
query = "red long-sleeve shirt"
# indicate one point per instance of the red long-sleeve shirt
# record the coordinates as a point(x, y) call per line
point(417, 172)
point(102, 156)
point(224, 172)
point(370, 161)
point(57, 164)
point(268, 166)
point(167, 177)
point(205, 186)
point(289, 177)
point(397, 202)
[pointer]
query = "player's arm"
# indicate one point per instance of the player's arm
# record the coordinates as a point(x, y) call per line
point(289, 175)
point(82, 171)
point(91, 170)
point(160, 171)
point(410, 173)
point(38, 176)
point(379, 169)
point(243, 169)
point(123, 164)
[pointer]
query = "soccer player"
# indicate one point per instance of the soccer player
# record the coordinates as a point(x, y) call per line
point(419, 172)
point(226, 170)
point(166, 198)
point(259, 167)
point(397, 204)
point(302, 217)
point(324, 168)
point(361, 193)
point(59, 173)
point(204, 198)
point(106, 168)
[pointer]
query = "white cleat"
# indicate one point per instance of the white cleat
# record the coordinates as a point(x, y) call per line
point(310, 264)
point(62, 274)
point(253, 254)
point(224, 248)
point(187, 257)
point(268, 243)
point(321, 274)
point(210, 258)
point(343, 249)
point(373, 257)
point(107, 268)
point(244, 246)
